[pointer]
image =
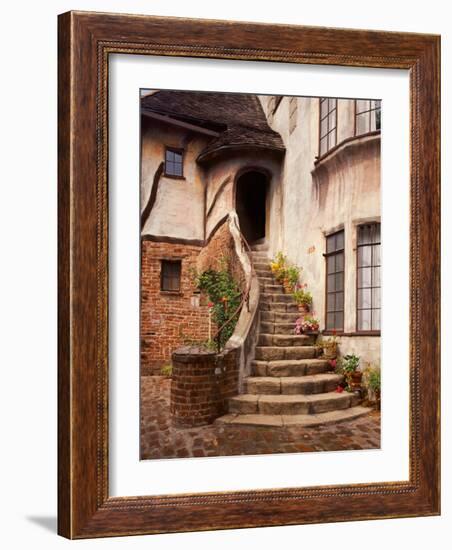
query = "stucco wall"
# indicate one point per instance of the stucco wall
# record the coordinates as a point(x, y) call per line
point(179, 207)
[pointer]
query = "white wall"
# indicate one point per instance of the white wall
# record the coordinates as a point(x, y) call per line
point(28, 275)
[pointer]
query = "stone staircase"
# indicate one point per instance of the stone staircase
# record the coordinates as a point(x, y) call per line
point(290, 385)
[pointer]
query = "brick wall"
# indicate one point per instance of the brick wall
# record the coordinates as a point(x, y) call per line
point(168, 320)
point(221, 245)
point(201, 386)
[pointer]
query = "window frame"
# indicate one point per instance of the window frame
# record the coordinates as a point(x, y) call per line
point(329, 131)
point(371, 332)
point(180, 152)
point(369, 111)
point(174, 261)
point(326, 256)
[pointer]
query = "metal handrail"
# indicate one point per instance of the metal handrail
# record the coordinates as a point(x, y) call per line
point(245, 296)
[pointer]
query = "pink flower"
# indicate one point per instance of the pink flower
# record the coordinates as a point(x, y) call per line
point(333, 363)
point(210, 304)
point(339, 389)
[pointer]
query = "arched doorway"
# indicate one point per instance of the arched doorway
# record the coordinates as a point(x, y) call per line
point(251, 204)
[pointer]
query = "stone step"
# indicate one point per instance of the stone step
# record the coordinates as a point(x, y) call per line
point(267, 280)
point(290, 367)
point(262, 266)
point(270, 316)
point(291, 404)
point(278, 307)
point(270, 297)
point(263, 272)
point(279, 353)
point(277, 328)
point(271, 288)
point(258, 255)
point(259, 247)
point(285, 340)
point(292, 385)
point(293, 420)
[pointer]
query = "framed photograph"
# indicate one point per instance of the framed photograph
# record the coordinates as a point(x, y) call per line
point(248, 275)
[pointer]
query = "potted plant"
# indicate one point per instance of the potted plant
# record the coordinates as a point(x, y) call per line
point(291, 278)
point(303, 298)
point(329, 346)
point(353, 376)
point(306, 325)
point(372, 382)
point(278, 267)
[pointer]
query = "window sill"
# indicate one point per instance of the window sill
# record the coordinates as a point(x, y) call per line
point(350, 334)
point(174, 177)
point(171, 293)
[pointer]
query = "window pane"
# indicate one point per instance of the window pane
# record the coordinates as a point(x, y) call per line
point(331, 103)
point(331, 283)
point(330, 320)
point(339, 321)
point(169, 168)
point(332, 119)
point(323, 108)
point(340, 281)
point(330, 264)
point(340, 240)
point(376, 229)
point(323, 127)
point(364, 319)
point(364, 234)
point(376, 276)
point(364, 298)
point(330, 302)
point(323, 145)
point(362, 124)
point(376, 297)
point(331, 243)
point(169, 155)
point(339, 301)
point(376, 254)
point(375, 319)
point(364, 256)
point(178, 169)
point(339, 261)
point(364, 277)
point(362, 105)
point(331, 139)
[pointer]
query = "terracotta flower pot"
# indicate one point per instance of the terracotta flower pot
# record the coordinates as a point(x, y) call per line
point(355, 380)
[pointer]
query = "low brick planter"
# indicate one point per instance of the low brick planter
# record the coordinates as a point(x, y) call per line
point(202, 383)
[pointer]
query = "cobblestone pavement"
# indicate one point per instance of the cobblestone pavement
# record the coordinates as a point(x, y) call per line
point(159, 439)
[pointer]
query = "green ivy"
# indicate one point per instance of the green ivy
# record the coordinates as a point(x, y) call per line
point(225, 295)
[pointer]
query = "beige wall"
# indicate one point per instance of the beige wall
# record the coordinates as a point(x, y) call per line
point(341, 191)
point(179, 207)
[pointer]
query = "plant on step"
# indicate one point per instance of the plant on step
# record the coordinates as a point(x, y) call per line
point(330, 346)
point(290, 280)
point(225, 296)
point(303, 297)
point(306, 324)
point(278, 266)
point(349, 365)
point(372, 383)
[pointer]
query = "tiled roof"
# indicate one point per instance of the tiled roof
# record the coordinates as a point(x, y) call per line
point(238, 118)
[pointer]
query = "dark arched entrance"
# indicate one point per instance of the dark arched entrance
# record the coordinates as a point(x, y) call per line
point(251, 204)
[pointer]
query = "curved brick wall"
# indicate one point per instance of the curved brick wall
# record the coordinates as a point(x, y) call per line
point(202, 382)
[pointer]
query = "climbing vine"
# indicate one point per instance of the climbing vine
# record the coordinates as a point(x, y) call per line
point(225, 295)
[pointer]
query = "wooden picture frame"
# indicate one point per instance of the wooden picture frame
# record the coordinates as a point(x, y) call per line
point(85, 508)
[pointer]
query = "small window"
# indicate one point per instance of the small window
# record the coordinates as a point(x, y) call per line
point(170, 275)
point(368, 277)
point(328, 124)
point(174, 165)
point(335, 281)
point(367, 116)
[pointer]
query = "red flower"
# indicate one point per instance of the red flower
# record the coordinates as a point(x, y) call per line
point(339, 389)
point(210, 304)
point(333, 363)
